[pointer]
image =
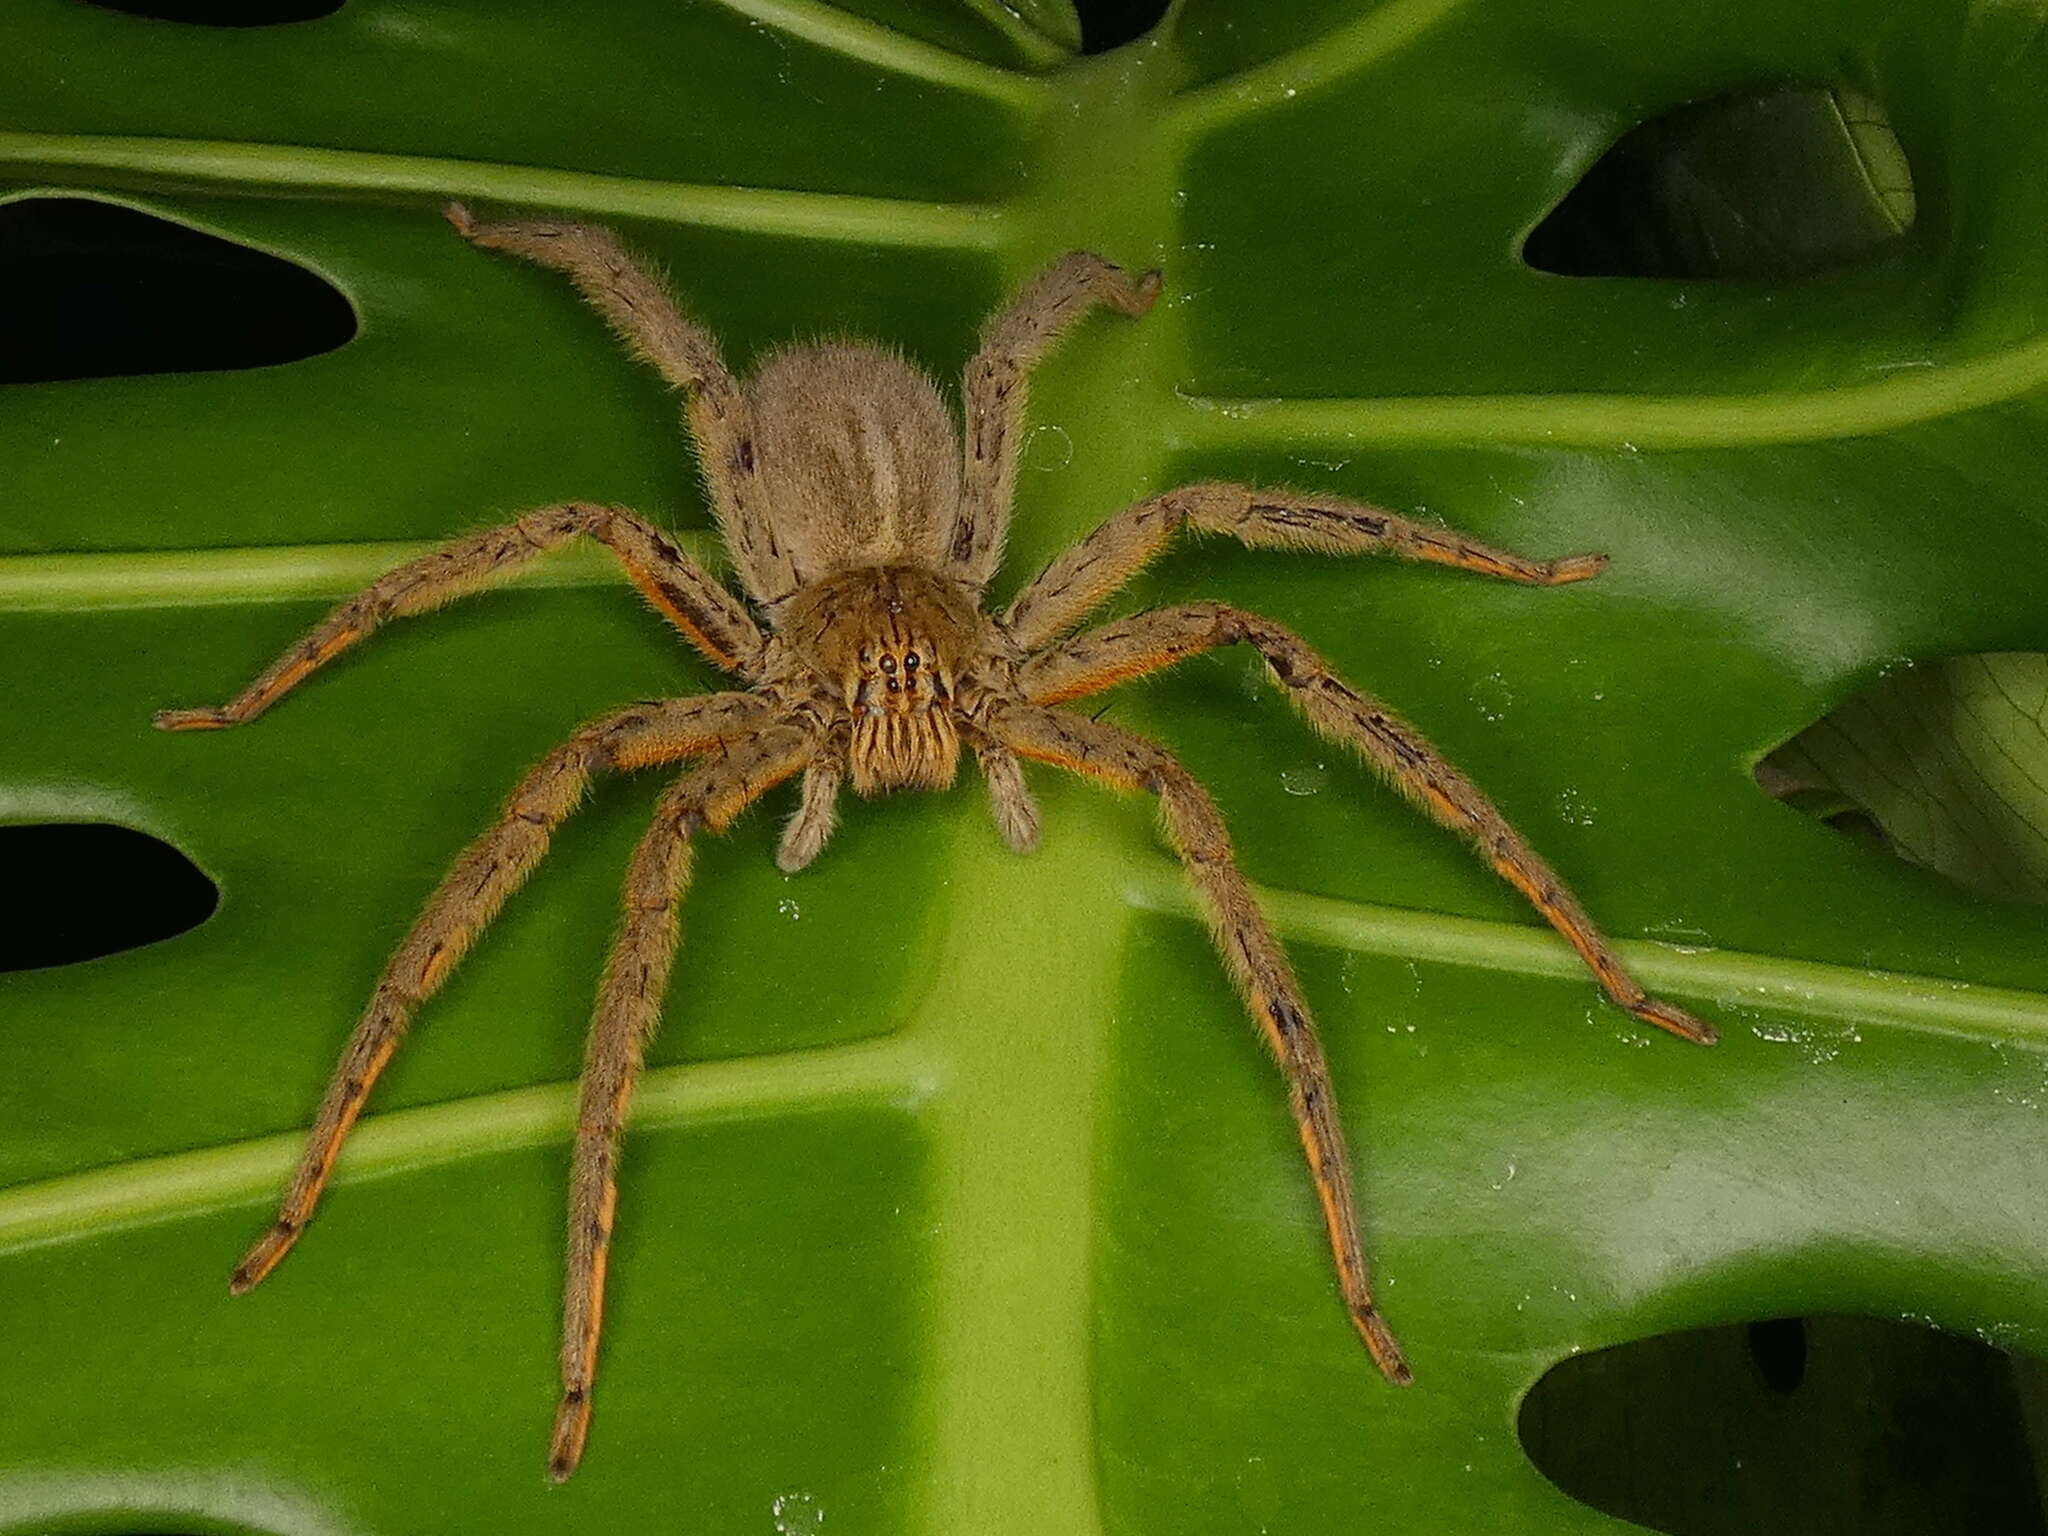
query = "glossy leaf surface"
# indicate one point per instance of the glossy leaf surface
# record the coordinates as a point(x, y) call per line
point(961, 1198)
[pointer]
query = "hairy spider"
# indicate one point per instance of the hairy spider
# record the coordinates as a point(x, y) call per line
point(866, 539)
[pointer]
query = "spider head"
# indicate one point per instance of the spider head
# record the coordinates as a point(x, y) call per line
point(890, 641)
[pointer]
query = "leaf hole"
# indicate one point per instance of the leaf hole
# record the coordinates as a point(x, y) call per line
point(1765, 184)
point(98, 889)
point(90, 289)
point(1107, 24)
point(1943, 763)
point(224, 13)
point(1813, 1426)
point(1778, 1346)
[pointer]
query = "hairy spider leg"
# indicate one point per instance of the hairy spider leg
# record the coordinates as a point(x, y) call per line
point(817, 813)
point(1256, 963)
point(1015, 810)
point(491, 869)
point(645, 315)
point(1078, 582)
point(710, 617)
point(1099, 658)
point(994, 389)
point(628, 1011)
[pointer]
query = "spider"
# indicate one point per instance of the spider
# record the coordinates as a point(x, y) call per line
point(866, 539)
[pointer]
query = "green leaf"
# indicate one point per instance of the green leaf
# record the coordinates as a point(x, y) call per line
point(1947, 761)
point(1776, 183)
point(961, 1198)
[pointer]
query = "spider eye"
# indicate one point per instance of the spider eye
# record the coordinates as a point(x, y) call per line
point(912, 662)
point(889, 664)
point(894, 686)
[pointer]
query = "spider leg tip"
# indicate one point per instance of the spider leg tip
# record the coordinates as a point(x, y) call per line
point(456, 212)
point(207, 719)
point(1572, 568)
point(572, 1426)
point(1019, 834)
point(265, 1256)
point(1680, 1023)
point(1699, 1031)
point(1382, 1346)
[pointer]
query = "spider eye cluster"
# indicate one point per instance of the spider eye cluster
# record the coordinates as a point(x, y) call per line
point(901, 677)
point(904, 676)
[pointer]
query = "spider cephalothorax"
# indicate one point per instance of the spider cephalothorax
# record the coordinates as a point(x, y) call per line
point(889, 640)
point(865, 531)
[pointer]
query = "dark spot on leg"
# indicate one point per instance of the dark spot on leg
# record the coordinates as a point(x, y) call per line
point(1287, 1019)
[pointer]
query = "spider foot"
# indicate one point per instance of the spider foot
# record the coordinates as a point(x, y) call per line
point(1382, 1346)
point(572, 1428)
point(457, 213)
point(1144, 293)
point(210, 718)
point(264, 1257)
point(1570, 568)
point(1682, 1024)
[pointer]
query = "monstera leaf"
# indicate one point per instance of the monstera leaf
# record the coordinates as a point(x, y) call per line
point(961, 1198)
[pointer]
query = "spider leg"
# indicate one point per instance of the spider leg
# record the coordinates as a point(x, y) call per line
point(1009, 796)
point(1257, 965)
point(994, 390)
point(618, 285)
point(1077, 582)
point(1127, 648)
point(710, 617)
point(628, 1010)
point(646, 317)
point(492, 868)
point(817, 813)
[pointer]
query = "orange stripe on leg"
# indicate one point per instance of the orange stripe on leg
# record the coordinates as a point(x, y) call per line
point(651, 590)
point(572, 1417)
point(1604, 965)
point(271, 1248)
point(1120, 671)
point(297, 672)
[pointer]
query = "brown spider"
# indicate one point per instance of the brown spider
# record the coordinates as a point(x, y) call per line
point(866, 539)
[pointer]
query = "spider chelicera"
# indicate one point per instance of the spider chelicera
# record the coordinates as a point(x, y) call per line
point(866, 539)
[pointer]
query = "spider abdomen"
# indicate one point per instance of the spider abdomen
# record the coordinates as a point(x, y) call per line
point(856, 456)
